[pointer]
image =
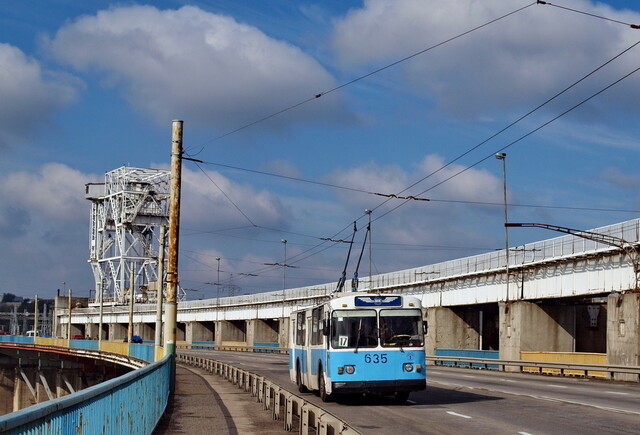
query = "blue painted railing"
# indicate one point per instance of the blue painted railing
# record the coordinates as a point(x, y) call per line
point(130, 404)
point(265, 344)
point(144, 352)
point(84, 344)
point(16, 339)
point(469, 353)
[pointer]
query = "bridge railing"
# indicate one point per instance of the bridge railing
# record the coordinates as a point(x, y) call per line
point(555, 363)
point(131, 404)
point(295, 412)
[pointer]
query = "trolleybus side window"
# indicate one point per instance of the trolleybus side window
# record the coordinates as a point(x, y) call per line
point(301, 329)
point(354, 328)
point(401, 328)
point(316, 326)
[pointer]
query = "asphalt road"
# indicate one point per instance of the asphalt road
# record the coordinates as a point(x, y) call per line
point(463, 401)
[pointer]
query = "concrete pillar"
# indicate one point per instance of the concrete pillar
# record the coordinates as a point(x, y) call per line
point(283, 332)
point(61, 386)
point(22, 396)
point(231, 331)
point(117, 331)
point(146, 331)
point(6, 391)
point(623, 332)
point(92, 331)
point(526, 326)
point(261, 332)
point(17, 391)
point(199, 332)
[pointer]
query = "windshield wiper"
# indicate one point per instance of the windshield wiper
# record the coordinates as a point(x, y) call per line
point(358, 337)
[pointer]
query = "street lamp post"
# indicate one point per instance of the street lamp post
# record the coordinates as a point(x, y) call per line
point(284, 274)
point(503, 157)
point(218, 283)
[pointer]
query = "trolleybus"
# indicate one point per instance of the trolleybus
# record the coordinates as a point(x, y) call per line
point(359, 342)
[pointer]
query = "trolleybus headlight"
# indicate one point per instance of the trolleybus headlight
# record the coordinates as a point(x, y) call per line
point(408, 367)
point(350, 369)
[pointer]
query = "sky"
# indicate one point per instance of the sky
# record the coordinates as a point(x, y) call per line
point(415, 97)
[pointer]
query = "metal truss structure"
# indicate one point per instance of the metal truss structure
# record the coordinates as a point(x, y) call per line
point(128, 212)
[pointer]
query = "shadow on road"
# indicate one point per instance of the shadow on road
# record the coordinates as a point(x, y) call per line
point(432, 396)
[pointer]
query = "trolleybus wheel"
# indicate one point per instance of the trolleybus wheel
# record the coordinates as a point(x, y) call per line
point(301, 387)
point(322, 388)
point(401, 396)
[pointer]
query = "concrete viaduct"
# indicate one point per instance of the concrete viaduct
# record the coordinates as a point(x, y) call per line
point(567, 294)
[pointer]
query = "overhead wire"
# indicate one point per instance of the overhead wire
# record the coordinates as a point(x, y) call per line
point(359, 78)
point(316, 96)
point(555, 118)
point(397, 196)
point(633, 26)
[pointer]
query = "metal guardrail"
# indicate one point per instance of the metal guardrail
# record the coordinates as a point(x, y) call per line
point(608, 369)
point(475, 362)
point(233, 348)
point(123, 360)
point(131, 404)
point(296, 413)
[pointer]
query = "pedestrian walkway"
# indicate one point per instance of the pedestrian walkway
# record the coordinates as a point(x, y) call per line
point(204, 403)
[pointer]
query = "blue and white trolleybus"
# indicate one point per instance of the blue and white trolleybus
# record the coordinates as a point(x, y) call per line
point(359, 342)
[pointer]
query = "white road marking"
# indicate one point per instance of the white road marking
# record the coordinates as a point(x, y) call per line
point(618, 392)
point(469, 376)
point(457, 415)
point(557, 386)
point(524, 433)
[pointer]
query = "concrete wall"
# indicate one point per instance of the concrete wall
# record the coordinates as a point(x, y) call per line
point(234, 330)
point(262, 331)
point(199, 331)
point(526, 326)
point(623, 331)
point(117, 331)
point(468, 327)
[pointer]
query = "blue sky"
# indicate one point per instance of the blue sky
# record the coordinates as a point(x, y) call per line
point(87, 87)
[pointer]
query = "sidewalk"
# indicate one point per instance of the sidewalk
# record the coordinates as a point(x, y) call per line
point(204, 403)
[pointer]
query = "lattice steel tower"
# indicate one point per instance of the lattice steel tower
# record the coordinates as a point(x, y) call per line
point(127, 213)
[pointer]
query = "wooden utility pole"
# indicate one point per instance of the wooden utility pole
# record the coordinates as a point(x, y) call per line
point(171, 311)
point(160, 287)
point(69, 324)
point(35, 319)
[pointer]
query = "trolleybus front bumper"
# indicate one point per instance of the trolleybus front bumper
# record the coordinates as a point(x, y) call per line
point(378, 386)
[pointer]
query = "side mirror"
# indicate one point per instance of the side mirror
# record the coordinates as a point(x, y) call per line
point(425, 327)
point(325, 326)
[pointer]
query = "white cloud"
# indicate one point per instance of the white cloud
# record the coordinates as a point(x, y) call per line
point(29, 95)
point(195, 65)
point(620, 179)
point(56, 192)
point(205, 204)
point(515, 63)
point(44, 231)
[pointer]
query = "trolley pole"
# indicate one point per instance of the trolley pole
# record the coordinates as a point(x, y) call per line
point(171, 312)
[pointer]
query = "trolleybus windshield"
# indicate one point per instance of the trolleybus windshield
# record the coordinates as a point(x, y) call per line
point(354, 329)
point(402, 328)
